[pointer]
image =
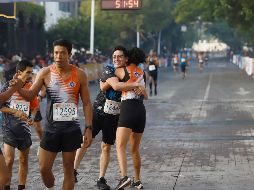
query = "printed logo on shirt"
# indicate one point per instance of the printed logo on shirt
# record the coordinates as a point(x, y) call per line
point(137, 74)
point(72, 84)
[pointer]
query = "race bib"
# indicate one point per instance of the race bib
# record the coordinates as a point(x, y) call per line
point(65, 112)
point(20, 105)
point(183, 60)
point(112, 107)
point(152, 67)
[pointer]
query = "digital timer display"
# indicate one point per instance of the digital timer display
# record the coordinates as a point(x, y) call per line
point(120, 4)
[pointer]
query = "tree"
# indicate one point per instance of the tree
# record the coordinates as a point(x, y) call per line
point(114, 27)
point(237, 14)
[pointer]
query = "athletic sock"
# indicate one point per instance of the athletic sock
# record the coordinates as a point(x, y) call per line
point(21, 187)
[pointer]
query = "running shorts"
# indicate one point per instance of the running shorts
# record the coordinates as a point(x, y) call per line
point(37, 116)
point(133, 115)
point(106, 123)
point(20, 143)
point(61, 142)
point(183, 67)
point(154, 75)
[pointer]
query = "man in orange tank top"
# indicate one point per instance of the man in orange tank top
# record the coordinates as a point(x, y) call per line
point(64, 85)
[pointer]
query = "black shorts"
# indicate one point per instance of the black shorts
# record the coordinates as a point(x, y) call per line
point(154, 75)
point(61, 142)
point(107, 123)
point(37, 116)
point(133, 115)
point(183, 68)
point(21, 143)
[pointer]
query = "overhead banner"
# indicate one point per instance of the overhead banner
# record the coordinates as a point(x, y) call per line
point(8, 10)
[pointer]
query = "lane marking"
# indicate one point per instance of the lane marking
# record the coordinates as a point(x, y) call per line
point(200, 112)
point(208, 88)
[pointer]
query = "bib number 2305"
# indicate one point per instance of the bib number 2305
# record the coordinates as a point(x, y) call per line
point(65, 112)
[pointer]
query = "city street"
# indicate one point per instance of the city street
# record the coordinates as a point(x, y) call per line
point(199, 135)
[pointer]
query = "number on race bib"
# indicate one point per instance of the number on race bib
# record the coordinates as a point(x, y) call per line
point(112, 107)
point(65, 112)
point(20, 105)
point(152, 67)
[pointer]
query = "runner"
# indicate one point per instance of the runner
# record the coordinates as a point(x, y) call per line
point(183, 64)
point(17, 133)
point(64, 84)
point(16, 84)
point(200, 61)
point(153, 65)
point(132, 118)
point(106, 109)
point(175, 61)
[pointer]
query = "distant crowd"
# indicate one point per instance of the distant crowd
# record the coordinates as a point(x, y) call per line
point(8, 62)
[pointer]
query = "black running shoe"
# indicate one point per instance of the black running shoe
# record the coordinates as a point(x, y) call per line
point(124, 182)
point(102, 184)
point(75, 175)
point(137, 184)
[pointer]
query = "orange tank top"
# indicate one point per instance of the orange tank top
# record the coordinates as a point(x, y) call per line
point(134, 74)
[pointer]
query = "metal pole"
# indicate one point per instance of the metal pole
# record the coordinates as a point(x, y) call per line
point(159, 44)
point(138, 38)
point(92, 28)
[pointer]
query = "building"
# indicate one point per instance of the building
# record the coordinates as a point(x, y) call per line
point(57, 10)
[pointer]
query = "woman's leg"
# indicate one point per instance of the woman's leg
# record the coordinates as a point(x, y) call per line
point(122, 138)
point(151, 85)
point(135, 140)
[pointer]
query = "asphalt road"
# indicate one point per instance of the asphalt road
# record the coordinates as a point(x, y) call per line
point(199, 135)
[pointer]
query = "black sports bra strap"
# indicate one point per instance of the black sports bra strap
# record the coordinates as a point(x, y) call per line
point(126, 75)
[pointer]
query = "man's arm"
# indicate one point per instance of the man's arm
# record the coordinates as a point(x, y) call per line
point(17, 113)
point(4, 96)
point(36, 87)
point(8, 110)
point(87, 107)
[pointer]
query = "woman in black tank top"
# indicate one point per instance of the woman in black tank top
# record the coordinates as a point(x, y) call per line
point(153, 64)
point(131, 122)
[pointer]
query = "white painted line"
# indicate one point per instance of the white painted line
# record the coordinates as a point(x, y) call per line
point(228, 100)
point(208, 88)
point(200, 112)
point(249, 106)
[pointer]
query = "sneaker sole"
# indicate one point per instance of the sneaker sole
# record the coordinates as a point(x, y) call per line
point(139, 186)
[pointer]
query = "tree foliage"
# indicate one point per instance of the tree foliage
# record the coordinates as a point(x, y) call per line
point(31, 11)
point(113, 27)
point(238, 14)
point(76, 30)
